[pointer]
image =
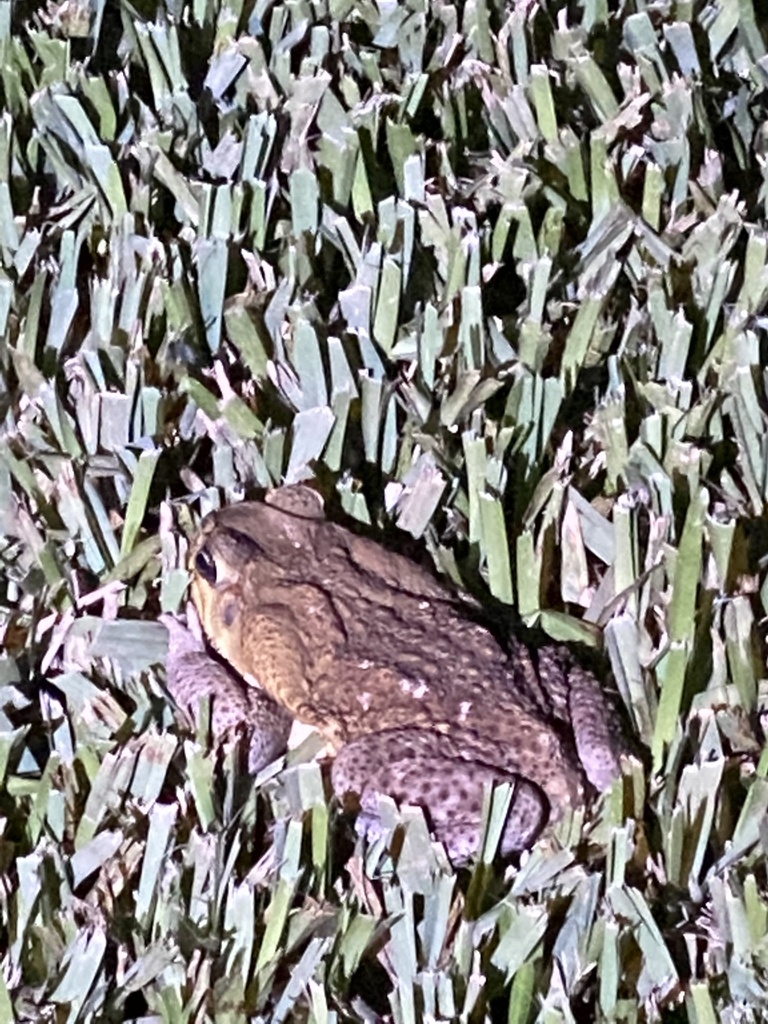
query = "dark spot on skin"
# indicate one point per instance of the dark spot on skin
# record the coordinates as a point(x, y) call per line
point(444, 794)
point(229, 613)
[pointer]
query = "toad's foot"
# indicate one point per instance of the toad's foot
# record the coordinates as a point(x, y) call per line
point(597, 729)
point(414, 766)
point(194, 675)
point(578, 699)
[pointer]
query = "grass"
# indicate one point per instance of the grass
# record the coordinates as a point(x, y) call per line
point(494, 276)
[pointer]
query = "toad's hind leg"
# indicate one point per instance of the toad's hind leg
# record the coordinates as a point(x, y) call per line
point(415, 766)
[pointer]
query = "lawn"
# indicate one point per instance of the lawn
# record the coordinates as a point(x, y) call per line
point(493, 277)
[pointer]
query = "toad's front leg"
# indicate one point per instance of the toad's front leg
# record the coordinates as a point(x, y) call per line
point(419, 767)
point(193, 676)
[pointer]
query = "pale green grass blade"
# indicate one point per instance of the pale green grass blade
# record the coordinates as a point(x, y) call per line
point(137, 503)
point(495, 546)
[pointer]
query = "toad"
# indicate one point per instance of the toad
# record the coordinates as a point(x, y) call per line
point(419, 699)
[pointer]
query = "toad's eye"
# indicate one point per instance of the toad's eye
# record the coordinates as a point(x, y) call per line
point(205, 565)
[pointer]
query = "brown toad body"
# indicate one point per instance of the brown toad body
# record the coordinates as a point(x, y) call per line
point(419, 701)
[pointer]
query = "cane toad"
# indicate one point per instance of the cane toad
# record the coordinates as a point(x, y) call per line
point(419, 700)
